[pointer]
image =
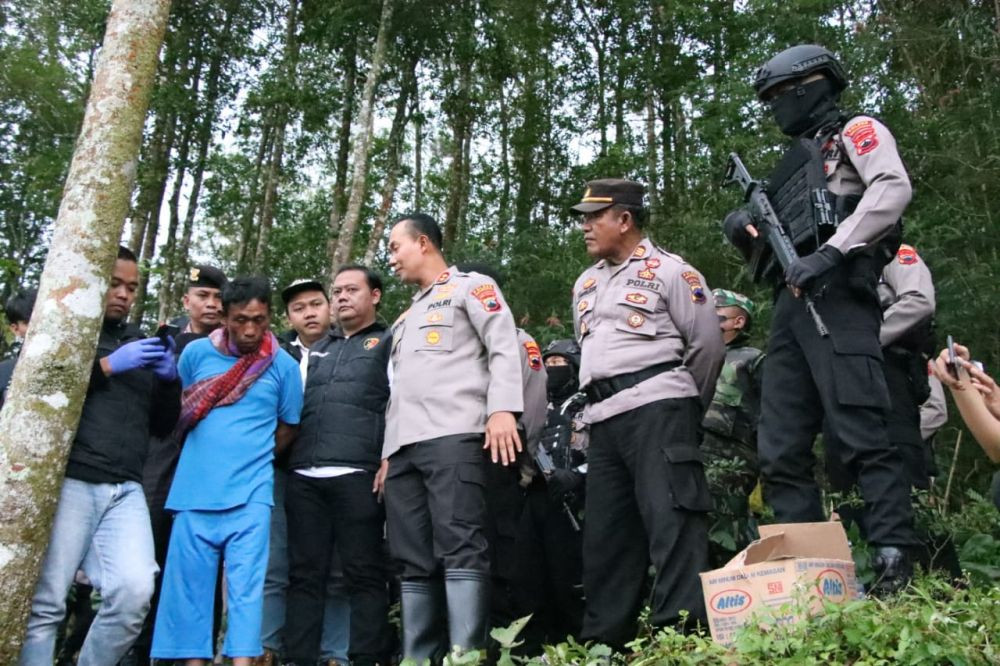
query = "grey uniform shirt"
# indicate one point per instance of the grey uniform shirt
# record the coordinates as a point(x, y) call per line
point(934, 411)
point(455, 361)
point(533, 385)
point(906, 293)
point(651, 309)
point(863, 159)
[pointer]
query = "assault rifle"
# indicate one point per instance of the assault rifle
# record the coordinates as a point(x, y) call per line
point(761, 210)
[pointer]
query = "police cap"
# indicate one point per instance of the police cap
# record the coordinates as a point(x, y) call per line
point(606, 192)
point(206, 275)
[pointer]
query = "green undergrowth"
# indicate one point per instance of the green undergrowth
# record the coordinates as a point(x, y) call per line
point(931, 622)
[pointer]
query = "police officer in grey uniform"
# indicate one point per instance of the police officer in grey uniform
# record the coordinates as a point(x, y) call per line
point(850, 166)
point(457, 390)
point(651, 352)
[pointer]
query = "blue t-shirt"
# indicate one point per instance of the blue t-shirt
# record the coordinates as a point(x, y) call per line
point(227, 457)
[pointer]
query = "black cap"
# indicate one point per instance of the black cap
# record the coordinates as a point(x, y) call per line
point(297, 287)
point(204, 275)
point(607, 192)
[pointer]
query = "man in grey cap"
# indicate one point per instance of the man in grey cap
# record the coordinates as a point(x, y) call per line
point(456, 391)
point(651, 352)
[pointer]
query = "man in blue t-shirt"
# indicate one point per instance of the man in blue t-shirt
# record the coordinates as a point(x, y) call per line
point(242, 400)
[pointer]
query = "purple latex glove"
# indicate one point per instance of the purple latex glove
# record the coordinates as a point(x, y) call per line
point(136, 354)
point(166, 367)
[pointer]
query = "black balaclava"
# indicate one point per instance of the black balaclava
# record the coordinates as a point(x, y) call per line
point(560, 381)
point(806, 113)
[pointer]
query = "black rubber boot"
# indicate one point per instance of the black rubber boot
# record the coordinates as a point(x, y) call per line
point(468, 607)
point(893, 570)
point(421, 602)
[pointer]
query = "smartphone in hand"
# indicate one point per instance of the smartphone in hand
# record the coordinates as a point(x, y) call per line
point(952, 357)
point(164, 329)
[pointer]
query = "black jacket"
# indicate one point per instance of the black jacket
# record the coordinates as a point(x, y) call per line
point(343, 413)
point(119, 414)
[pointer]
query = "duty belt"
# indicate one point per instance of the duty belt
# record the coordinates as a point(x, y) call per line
point(602, 389)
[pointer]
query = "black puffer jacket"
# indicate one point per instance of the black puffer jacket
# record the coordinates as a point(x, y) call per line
point(119, 414)
point(343, 414)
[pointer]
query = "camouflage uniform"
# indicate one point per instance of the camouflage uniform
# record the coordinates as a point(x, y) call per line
point(730, 448)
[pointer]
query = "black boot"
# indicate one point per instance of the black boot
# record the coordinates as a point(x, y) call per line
point(422, 613)
point(893, 570)
point(468, 607)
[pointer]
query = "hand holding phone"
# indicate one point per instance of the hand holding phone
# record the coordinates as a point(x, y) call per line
point(952, 358)
point(164, 330)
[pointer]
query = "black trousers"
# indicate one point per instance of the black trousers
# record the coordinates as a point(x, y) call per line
point(435, 504)
point(902, 429)
point(550, 570)
point(504, 504)
point(647, 501)
point(342, 513)
point(839, 380)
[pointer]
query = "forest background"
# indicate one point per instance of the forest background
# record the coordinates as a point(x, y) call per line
point(284, 135)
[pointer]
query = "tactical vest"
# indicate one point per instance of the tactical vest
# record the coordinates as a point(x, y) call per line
point(733, 413)
point(809, 211)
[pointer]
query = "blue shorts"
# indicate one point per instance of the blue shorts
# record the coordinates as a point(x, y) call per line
point(183, 628)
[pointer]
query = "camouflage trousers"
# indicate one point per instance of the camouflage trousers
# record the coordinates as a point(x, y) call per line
point(732, 471)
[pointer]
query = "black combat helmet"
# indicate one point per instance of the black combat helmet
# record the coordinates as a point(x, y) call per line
point(797, 62)
point(562, 381)
point(567, 348)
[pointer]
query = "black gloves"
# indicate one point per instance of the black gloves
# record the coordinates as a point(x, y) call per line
point(804, 270)
point(734, 227)
point(562, 482)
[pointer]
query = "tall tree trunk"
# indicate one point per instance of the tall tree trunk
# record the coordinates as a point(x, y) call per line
point(139, 309)
point(503, 219)
point(396, 133)
point(253, 203)
point(178, 277)
point(652, 166)
point(339, 199)
point(418, 153)
point(598, 41)
point(289, 64)
point(43, 406)
point(456, 181)
point(153, 180)
point(362, 144)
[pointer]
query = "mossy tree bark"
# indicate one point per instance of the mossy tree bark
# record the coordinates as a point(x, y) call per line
point(42, 410)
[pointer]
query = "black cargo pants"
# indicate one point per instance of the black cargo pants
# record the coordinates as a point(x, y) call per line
point(839, 379)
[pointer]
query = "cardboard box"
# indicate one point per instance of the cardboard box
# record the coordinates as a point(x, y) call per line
point(810, 561)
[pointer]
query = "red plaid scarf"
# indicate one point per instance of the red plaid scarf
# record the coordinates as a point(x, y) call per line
point(201, 397)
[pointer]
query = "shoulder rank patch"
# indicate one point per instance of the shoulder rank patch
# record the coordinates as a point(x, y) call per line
point(444, 277)
point(370, 343)
point(487, 295)
point(640, 251)
point(635, 320)
point(432, 337)
point(907, 255)
point(652, 262)
point(647, 274)
point(694, 284)
point(636, 297)
point(863, 135)
point(534, 355)
point(401, 317)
